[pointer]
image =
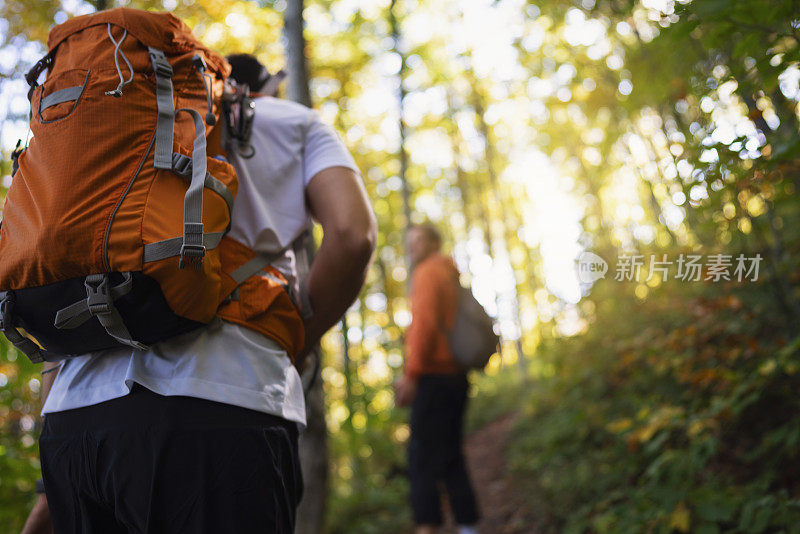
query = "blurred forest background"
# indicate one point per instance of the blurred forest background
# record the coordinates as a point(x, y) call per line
point(532, 132)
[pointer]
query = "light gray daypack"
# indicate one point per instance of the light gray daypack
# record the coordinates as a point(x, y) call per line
point(472, 338)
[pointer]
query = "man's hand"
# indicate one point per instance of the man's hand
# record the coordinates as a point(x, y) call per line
point(405, 389)
point(39, 519)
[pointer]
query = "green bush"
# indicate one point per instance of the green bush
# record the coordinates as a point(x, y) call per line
point(678, 413)
point(19, 431)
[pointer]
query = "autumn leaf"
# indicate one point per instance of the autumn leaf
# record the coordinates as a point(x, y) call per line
point(680, 518)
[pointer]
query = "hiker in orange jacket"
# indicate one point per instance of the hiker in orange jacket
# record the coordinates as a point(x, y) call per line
point(435, 387)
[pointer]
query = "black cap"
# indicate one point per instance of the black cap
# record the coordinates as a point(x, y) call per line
point(249, 71)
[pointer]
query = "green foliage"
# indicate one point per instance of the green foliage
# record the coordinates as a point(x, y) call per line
point(492, 396)
point(367, 450)
point(670, 414)
point(685, 419)
point(371, 510)
point(369, 494)
point(19, 431)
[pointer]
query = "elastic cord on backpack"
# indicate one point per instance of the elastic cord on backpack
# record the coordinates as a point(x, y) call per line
point(208, 81)
point(117, 52)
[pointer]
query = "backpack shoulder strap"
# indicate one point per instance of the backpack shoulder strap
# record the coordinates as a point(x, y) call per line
point(302, 258)
point(256, 264)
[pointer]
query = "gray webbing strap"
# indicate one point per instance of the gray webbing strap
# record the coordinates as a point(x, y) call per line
point(303, 266)
point(256, 264)
point(182, 165)
point(235, 293)
point(165, 123)
point(25, 345)
point(193, 250)
point(59, 97)
point(115, 327)
point(219, 188)
point(78, 313)
point(172, 247)
point(101, 305)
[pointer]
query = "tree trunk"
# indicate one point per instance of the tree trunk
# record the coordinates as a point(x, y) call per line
point(648, 194)
point(314, 441)
point(494, 187)
point(314, 463)
point(466, 202)
point(401, 96)
point(296, 53)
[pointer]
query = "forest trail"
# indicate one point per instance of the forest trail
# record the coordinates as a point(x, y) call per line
point(501, 507)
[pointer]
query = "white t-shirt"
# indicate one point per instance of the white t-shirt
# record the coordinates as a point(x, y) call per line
point(225, 362)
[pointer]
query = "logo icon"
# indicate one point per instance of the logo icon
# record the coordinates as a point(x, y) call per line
point(591, 267)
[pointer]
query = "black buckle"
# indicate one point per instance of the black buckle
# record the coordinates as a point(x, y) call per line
point(15, 154)
point(98, 297)
point(199, 63)
point(181, 164)
point(6, 307)
point(164, 70)
point(191, 255)
point(161, 68)
point(193, 249)
point(160, 65)
point(32, 76)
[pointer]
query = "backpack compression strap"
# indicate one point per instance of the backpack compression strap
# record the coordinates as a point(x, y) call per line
point(192, 248)
point(182, 165)
point(24, 344)
point(255, 265)
point(99, 303)
point(166, 108)
point(194, 243)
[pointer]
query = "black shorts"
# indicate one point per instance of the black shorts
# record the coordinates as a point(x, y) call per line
point(147, 463)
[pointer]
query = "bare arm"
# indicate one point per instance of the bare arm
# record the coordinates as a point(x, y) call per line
point(338, 201)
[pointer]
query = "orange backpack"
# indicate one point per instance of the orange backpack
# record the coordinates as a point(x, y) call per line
point(113, 229)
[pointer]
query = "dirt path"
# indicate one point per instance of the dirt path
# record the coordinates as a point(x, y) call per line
point(500, 505)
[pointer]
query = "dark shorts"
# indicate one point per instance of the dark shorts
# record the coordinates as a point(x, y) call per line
point(146, 463)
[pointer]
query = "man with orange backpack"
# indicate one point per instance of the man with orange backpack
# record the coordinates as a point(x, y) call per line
point(183, 413)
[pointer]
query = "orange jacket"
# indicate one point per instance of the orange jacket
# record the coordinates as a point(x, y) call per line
point(434, 295)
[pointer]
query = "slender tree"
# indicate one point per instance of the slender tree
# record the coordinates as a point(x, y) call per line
point(402, 155)
point(467, 192)
point(296, 53)
point(495, 191)
point(313, 442)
